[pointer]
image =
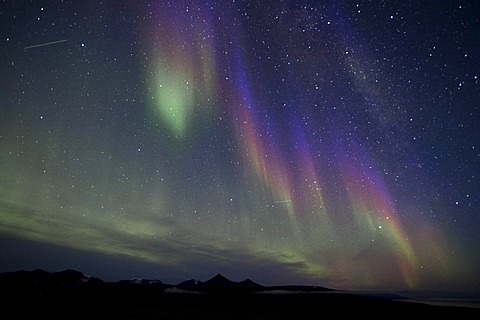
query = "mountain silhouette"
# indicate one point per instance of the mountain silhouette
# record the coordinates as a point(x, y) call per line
point(220, 284)
point(219, 281)
point(141, 281)
point(250, 283)
point(190, 284)
point(70, 294)
point(39, 277)
point(216, 284)
point(70, 276)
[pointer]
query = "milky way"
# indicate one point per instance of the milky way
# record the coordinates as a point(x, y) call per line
point(307, 142)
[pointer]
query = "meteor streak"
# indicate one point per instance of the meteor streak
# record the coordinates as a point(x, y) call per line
point(283, 201)
point(45, 44)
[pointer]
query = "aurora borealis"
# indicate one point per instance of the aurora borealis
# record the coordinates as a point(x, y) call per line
point(315, 142)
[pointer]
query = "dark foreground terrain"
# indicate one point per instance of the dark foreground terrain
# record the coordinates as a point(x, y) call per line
point(70, 295)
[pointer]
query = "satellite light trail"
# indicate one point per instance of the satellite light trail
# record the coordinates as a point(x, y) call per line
point(45, 44)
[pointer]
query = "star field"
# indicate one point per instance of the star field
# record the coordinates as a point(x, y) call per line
point(310, 142)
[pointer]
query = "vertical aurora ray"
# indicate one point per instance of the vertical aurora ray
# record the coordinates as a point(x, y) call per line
point(182, 76)
point(263, 163)
point(375, 213)
point(308, 177)
point(174, 97)
point(297, 196)
point(317, 224)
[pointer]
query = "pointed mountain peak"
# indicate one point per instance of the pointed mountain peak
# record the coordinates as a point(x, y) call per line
point(219, 276)
point(219, 280)
point(249, 283)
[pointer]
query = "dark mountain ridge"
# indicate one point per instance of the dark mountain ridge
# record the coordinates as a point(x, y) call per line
point(70, 294)
point(216, 284)
point(221, 284)
point(141, 281)
point(39, 277)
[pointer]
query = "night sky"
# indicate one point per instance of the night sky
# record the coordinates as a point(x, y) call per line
point(291, 142)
